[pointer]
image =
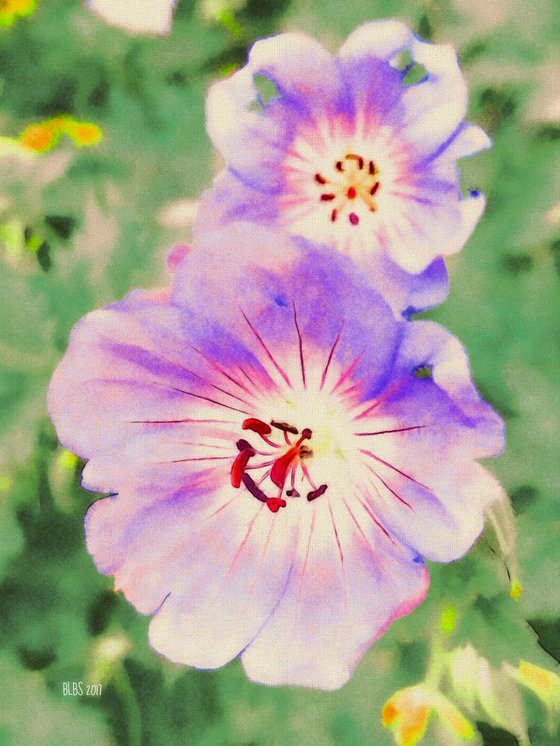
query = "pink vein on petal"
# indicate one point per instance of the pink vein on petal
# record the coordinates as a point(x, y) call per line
point(348, 371)
point(376, 520)
point(304, 566)
point(300, 344)
point(199, 396)
point(331, 353)
point(178, 422)
point(219, 369)
point(268, 352)
point(393, 467)
point(401, 499)
point(395, 430)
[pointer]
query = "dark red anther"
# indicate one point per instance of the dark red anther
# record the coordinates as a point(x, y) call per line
point(281, 466)
point(257, 426)
point(243, 445)
point(320, 179)
point(357, 158)
point(285, 427)
point(239, 465)
point(371, 169)
point(305, 434)
point(253, 489)
point(374, 188)
point(339, 166)
point(292, 493)
point(353, 218)
point(327, 197)
point(351, 193)
point(314, 494)
point(275, 503)
point(334, 213)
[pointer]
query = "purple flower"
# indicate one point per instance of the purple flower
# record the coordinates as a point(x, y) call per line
point(281, 455)
point(348, 152)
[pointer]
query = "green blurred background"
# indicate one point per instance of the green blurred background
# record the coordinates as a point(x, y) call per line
point(79, 227)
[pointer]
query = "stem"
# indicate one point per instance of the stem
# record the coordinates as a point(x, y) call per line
point(436, 664)
point(125, 692)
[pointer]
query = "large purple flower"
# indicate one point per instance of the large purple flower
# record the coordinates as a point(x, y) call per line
point(281, 455)
point(357, 151)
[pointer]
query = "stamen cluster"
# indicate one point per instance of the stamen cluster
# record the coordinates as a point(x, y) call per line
point(354, 180)
point(291, 457)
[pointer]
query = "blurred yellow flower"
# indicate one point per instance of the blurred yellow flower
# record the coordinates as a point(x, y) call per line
point(545, 684)
point(515, 590)
point(408, 711)
point(43, 136)
point(40, 137)
point(11, 9)
point(487, 693)
point(83, 133)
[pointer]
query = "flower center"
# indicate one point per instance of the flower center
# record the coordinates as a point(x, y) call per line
point(279, 473)
point(354, 180)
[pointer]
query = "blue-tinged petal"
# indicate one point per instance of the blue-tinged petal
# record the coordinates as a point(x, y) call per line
point(325, 290)
point(298, 66)
point(430, 345)
point(382, 39)
point(251, 143)
point(420, 439)
point(230, 201)
point(437, 104)
point(239, 563)
point(472, 209)
point(466, 140)
point(114, 364)
point(254, 134)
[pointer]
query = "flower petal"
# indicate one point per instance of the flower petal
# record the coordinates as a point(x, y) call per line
point(325, 290)
point(472, 209)
point(428, 343)
point(212, 569)
point(407, 293)
point(229, 200)
point(142, 396)
point(382, 39)
point(437, 510)
point(435, 106)
point(438, 218)
point(347, 584)
point(253, 141)
point(467, 139)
